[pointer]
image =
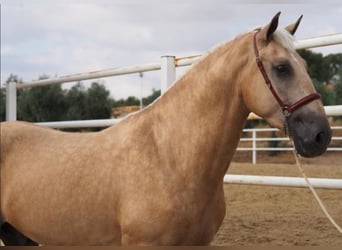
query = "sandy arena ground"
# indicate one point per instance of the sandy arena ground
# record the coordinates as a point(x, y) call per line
point(264, 215)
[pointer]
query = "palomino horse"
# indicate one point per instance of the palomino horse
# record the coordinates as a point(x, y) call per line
point(157, 176)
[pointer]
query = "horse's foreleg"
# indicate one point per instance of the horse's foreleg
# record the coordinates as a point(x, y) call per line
point(12, 237)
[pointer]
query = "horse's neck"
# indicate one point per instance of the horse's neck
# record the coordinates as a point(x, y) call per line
point(198, 122)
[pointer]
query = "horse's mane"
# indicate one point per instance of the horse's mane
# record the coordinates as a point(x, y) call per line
point(219, 46)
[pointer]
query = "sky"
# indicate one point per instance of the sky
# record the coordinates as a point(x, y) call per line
point(55, 38)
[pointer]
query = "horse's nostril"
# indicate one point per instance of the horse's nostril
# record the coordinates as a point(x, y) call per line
point(319, 138)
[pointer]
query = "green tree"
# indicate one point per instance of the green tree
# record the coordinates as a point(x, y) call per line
point(334, 63)
point(13, 78)
point(99, 103)
point(338, 88)
point(323, 69)
point(318, 68)
point(76, 99)
point(2, 106)
point(338, 93)
point(149, 99)
point(327, 95)
point(130, 101)
point(41, 104)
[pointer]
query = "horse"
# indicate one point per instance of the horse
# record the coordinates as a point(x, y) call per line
point(156, 177)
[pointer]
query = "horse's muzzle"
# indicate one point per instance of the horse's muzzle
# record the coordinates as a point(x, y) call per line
point(311, 133)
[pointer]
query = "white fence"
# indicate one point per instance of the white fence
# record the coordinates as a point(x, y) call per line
point(254, 139)
point(282, 181)
point(167, 65)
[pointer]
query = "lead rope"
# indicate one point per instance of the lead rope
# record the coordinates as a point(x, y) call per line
point(301, 170)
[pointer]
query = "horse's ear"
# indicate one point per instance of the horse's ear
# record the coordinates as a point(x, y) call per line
point(293, 27)
point(267, 31)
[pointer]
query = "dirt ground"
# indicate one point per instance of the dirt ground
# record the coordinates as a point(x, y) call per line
point(281, 216)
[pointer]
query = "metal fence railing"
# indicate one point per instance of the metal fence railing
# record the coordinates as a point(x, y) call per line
point(254, 139)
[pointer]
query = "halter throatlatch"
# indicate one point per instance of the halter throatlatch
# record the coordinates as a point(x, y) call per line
point(287, 109)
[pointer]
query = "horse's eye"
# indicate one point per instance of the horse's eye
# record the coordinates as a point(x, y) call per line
point(282, 70)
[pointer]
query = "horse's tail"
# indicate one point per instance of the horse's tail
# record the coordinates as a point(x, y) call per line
point(12, 237)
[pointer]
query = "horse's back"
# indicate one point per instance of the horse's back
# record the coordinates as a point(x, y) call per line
point(15, 133)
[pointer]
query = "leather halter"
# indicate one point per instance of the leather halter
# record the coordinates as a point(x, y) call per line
point(287, 109)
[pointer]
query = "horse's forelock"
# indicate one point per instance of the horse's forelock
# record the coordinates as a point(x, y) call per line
point(284, 38)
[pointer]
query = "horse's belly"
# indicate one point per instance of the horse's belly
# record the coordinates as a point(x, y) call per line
point(192, 225)
point(182, 232)
point(69, 230)
point(50, 219)
point(66, 230)
point(90, 235)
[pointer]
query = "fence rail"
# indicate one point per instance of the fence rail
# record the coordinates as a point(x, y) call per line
point(254, 139)
point(282, 181)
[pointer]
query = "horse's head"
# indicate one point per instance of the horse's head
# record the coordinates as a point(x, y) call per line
point(282, 92)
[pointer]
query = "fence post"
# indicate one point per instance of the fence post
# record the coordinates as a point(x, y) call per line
point(254, 146)
point(168, 72)
point(11, 101)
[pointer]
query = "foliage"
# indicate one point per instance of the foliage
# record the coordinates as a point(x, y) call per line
point(51, 103)
point(317, 67)
point(338, 93)
point(324, 69)
point(96, 103)
point(148, 100)
point(13, 78)
point(334, 63)
point(130, 101)
point(133, 101)
point(338, 88)
point(2, 106)
point(77, 102)
point(327, 95)
point(41, 104)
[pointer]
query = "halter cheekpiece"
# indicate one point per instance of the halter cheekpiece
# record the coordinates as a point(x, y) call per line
point(287, 109)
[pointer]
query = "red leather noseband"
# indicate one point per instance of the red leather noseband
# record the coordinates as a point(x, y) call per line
point(288, 109)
